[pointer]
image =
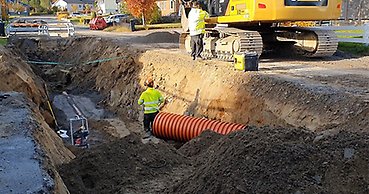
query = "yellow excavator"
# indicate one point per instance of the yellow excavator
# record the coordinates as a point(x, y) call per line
point(258, 26)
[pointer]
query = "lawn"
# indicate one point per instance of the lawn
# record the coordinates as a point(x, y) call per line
point(3, 41)
point(354, 48)
point(351, 33)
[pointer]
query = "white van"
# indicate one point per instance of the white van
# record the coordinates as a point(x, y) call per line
point(117, 18)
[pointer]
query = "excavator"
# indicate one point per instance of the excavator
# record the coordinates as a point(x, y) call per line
point(240, 26)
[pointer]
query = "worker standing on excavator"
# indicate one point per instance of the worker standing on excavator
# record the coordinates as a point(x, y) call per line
point(196, 26)
point(151, 99)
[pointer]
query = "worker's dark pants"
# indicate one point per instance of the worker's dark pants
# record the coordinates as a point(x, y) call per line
point(148, 121)
point(197, 45)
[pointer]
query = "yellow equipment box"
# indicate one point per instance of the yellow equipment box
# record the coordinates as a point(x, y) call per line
point(246, 61)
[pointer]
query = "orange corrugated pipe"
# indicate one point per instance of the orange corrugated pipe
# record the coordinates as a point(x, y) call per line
point(184, 128)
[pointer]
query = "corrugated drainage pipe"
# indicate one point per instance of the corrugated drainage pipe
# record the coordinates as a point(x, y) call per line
point(184, 128)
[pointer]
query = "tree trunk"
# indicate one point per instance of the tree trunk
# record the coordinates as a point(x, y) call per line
point(143, 21)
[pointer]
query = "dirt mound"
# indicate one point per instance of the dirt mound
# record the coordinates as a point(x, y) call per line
point(124, 166)
point(158, 37)
point(281, 161)
point(200, 144)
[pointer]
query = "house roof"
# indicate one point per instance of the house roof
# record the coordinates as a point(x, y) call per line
point(79, 1)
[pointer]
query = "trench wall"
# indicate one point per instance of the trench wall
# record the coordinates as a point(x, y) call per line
point(16, 75)
point(210, 89)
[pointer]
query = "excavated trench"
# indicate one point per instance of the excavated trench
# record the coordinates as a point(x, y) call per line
point(294, 142)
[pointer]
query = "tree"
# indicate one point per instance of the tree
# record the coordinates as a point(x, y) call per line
point(17, 7)
point(155, 16)
point(45, 4)
point(35, 4)
point(141, 8)
point(123, 8)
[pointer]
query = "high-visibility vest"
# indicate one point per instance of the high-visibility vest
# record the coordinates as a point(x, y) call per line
point(196, 21)
point(151, 99)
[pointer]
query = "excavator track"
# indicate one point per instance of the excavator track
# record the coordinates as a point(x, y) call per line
point(326, 46)
point(311, 42)
point(237, 41)
point(222, 43)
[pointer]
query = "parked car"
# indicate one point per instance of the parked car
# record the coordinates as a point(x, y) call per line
point(97, 24)
point(117, 18)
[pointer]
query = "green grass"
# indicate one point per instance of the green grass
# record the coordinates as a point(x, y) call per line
point(117, 29)
point(358, 32)
point(3, 41)
point(351, 31)
point(354, 48)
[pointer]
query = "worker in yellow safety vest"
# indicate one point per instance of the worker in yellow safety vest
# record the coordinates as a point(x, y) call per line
point(196, 26)
point(151, 99)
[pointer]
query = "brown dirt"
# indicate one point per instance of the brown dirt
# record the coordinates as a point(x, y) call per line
point(328, 98)
point(16, 75)
point(123, 166)
point(265, 160)
point(199, 144)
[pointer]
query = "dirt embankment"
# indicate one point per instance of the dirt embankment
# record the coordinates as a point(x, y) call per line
point(16, 75)
point(209, 89)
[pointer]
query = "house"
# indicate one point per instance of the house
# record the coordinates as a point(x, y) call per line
point(18, 8)
point(107, 6)
point(73, 6)
point(168, 7)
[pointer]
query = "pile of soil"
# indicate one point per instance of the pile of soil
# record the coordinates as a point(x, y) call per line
point(265, 160)
point(158, 37)
point(200, 144)
point(125, 166)
point(256, 160)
